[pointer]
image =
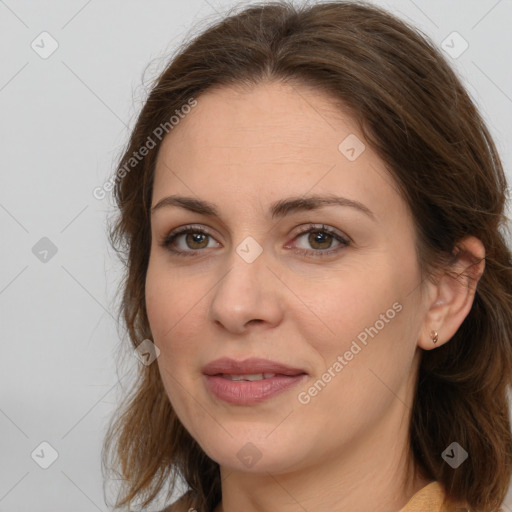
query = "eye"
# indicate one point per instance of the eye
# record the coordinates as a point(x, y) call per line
point(189, 240)
point(321, 239)
point(192, 239)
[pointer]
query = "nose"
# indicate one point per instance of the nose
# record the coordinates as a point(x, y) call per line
point(248, 293)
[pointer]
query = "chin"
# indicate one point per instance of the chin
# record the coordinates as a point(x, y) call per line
point(255, 452)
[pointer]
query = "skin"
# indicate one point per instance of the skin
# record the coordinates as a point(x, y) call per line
point(347, 448)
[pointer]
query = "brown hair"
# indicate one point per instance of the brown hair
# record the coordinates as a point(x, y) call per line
point(417, 116)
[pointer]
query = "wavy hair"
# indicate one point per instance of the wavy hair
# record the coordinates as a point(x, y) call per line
point(416, 114)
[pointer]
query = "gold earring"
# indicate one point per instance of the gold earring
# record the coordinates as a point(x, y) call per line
point(435, 336)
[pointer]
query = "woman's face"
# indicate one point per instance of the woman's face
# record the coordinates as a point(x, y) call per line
point(331, 291)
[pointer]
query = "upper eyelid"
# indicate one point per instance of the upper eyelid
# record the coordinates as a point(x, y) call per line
point(303, 228)
point(190, 227)
point(326, 228)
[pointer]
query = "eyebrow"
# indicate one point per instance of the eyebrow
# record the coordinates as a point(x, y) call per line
point(280, 208)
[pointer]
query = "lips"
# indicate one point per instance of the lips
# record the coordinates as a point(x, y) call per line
point(252, 367)
point(250, 381)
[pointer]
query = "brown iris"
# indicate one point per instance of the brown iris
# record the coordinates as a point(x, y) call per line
point(324, 239)
point(196, 239)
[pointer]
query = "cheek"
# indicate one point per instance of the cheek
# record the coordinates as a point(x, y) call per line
point(169, 298)
point(177, 307)
point(172, 310)
point(371, 318)
point(368, 352)
point(351, 303)
point(169, 306)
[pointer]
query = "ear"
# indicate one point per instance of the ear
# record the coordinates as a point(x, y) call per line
point(451, 297)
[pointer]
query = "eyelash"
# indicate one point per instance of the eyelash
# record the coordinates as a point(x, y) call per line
point(311, 228)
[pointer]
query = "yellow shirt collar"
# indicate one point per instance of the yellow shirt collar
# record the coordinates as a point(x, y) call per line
point(430, 499)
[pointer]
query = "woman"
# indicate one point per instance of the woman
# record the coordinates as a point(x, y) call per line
point(312, 215)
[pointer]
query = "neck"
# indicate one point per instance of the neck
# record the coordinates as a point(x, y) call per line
point(368, 474)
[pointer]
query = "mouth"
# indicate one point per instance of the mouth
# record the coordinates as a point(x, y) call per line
point(250, 381)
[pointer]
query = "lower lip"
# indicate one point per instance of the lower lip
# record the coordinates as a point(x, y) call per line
point(244, 392)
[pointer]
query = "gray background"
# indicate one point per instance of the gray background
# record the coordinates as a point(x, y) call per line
point(64, 121)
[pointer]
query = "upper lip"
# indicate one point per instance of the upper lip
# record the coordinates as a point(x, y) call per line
point(252, 365)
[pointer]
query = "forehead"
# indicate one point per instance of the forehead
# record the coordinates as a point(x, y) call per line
point(267, 141)
point(278, 116)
